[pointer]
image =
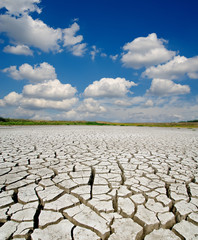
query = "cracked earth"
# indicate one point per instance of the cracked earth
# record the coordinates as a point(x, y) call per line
point(98, 182)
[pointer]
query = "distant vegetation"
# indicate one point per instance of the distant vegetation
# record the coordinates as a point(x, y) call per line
point(191, 121)
point(10, 122)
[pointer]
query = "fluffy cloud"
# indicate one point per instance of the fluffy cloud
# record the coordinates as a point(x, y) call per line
point(18, 50)
point(145, 51)
point(165, 87)
point(69, 35)
point(109, 87)
point(149, 103)
point(93, 52)
point(46, 92)
point(78, 49)
point(41, 103)
point(20, 6)
point(129, 101)
point(52, 89)
point(162, 114)
point(134, 102)
point(92, 106)
point(175, 69)
point(38, 73)
point(19, 100)
point(72, 42)
point(70, 115)
point(123, 103)
point(11, 99)
point(25, 30)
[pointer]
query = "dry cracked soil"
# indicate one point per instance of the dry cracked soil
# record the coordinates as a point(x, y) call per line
point(98, 182)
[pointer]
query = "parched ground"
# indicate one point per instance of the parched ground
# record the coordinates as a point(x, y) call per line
point(98, 182)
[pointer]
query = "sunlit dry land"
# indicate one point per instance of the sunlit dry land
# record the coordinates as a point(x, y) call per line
point(98, 182)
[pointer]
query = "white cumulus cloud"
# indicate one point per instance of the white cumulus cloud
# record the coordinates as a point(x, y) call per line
point(38, 73)
point(11, 99)
point(41, 103)
point(18, 50)
point(26, 102)
point(165, 87)
point(174, 69)
point(17, 7)
point(145, 51)
point(25, 30)
point(69, 35)
point(109, 87)
point(149, 103)
point(91, 105)
point(52, 89)
point(45, 93)
point(73, 42)
point(123, 103)
point(78, 49)
point(129, 101)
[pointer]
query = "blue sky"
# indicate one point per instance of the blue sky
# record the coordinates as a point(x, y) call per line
point(108, 60)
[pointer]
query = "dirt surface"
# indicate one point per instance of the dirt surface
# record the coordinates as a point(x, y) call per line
point(98, 182)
